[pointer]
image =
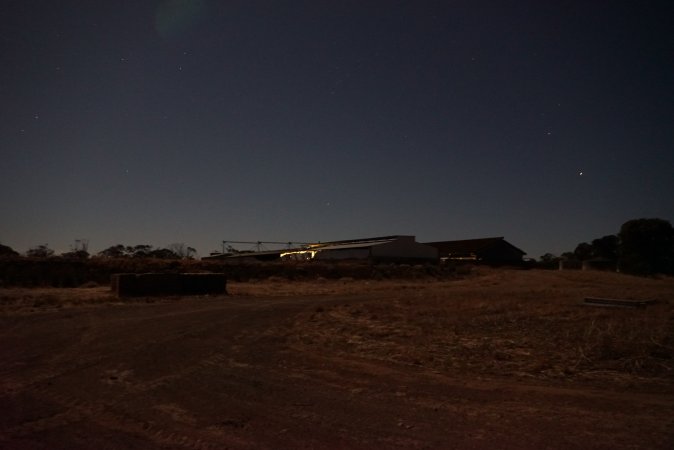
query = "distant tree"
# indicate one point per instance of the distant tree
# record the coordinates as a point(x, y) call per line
point(115, 251)
point(140, 251)
point(606, 247)
point(79, 249)
point(183, 251)
point(7, 251)
point(583, 251)
point(647, 246)
point(568, 256)
point(548, 257)
point(41, 251)
point(163, 253)
point(80, 246)
point(76, 254)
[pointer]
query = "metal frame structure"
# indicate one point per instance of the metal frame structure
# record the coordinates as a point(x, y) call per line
point(259, 245)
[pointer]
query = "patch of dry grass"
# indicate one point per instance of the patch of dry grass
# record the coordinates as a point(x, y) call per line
point(491, 322)
point(504, 322)
point(279, 287)
point(30, 299)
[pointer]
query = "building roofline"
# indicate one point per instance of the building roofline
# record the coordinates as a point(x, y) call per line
point(481, 243)
point(361, 240)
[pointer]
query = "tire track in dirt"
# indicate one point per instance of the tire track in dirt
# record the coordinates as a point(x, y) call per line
point(207, 375)
point(48, 382)
point(502, 403)
point(77, 410)
point(216, 359)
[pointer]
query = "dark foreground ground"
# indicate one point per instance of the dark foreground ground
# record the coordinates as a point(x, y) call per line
point(231, 372)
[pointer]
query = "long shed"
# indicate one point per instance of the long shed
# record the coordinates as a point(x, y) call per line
point(494, 250)
point(387, 248)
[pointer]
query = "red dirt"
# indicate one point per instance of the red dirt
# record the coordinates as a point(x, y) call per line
point(298, 371)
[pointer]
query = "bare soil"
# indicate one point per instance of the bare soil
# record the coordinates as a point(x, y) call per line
point(499, 359)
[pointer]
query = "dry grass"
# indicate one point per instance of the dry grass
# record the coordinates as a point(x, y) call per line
point(34, 299)
point(279, 287)
point(514, 323)
point(526, 324)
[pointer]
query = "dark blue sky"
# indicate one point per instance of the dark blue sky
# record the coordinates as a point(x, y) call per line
point(196, 121)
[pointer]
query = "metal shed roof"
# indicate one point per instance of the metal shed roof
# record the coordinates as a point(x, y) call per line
point(352, 245)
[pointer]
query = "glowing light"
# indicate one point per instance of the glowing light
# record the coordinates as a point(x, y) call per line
point(298, 255)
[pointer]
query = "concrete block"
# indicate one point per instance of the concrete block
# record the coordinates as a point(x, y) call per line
point(159, 284)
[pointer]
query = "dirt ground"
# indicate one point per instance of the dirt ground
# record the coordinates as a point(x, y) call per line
point(501, 359)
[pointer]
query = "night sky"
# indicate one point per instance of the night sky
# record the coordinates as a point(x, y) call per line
point(155, 122)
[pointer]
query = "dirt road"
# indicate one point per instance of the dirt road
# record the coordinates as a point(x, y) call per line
point(224, 373)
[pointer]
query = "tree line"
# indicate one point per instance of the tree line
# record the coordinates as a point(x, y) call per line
point(173, 251)
point(642, 246)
